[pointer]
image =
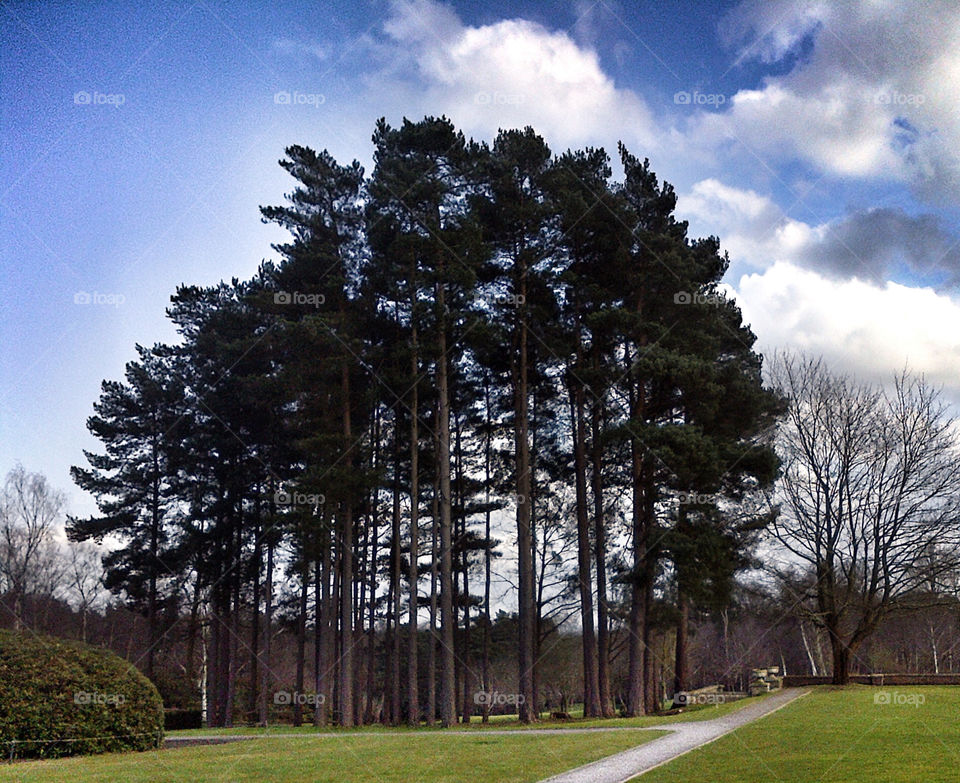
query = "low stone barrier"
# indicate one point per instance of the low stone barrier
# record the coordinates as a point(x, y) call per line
point(711, 694)
point(805, 680)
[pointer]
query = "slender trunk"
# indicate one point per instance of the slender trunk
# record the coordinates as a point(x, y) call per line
point(591, 701)
point(394, 608)
point(373, 527)
point(318, 662)
point(346, 570)
point(359, 604)
point(328, 597)
point(233, 647)
point(603, 616)
point(192, 629)
point(447, 619)
point(806, 647)
point(372, 618)
point(527, 609)
point(154, 562)
point(432, 649)
point(254, 673)
point(680, 683)
point(466, 663)
point(267, 638)
point(357, 628)
point(413, 685)
point(641, 578)
point(637, 620)
point(487, 556)
point(301, 639)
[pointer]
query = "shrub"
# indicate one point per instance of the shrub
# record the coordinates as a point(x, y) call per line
point(62, 698)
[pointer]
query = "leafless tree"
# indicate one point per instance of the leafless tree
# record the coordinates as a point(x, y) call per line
point(30, 510)
point(84, 580)
point(870, 483)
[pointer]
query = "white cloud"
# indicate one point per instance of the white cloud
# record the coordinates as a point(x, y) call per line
point(511, 74)
point(871, 331)
point(870, 244)
point(873, 94)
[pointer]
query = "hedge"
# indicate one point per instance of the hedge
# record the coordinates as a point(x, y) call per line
point(61, 698)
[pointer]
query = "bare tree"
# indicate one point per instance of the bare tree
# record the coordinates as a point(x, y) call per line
point(84, 580)
point(870, 484)
point(29, 559)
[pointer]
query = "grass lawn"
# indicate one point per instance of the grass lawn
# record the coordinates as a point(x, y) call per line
point(497, 722)
point(836, 736)
point(404, 756)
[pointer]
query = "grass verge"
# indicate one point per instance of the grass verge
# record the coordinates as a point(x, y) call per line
point(498, 723)
point(361, 758)
point(858, 734)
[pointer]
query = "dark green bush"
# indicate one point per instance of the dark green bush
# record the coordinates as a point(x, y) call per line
point(61, 698)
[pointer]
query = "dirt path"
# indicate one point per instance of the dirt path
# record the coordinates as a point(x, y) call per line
point(683, 738)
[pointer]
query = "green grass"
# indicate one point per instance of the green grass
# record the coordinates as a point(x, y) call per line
point(362, 758)
point(836, 736)
point(497, 722)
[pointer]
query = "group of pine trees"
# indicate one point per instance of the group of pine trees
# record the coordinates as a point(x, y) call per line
point(471, 334)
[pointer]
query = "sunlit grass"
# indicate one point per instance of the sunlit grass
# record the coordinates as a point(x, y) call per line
point(836, 735)
point(364, 758)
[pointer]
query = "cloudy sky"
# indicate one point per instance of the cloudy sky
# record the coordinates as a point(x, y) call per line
point(818, 140)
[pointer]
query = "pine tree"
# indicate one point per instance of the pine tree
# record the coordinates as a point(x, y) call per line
point(136, 421)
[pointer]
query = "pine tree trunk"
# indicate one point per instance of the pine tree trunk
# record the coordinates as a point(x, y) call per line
point(603, 616)
point(526, 599)
point(319, 712)
point(394, 606)
point(447, 619)
point(328, 597)
point(267, 639)
point(466, 663)
point(413, 684)
point(254, 682)
point(346, 571)
point(487, 556)
point(680, 683)
point(373, 541)
point(301, 640)
point(637, 620)
point(432, 649)
point(591, 702)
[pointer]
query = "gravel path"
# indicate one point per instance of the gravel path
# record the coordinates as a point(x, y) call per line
point(683, 738)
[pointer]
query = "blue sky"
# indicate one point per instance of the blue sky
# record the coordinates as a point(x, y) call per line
point(818, 140)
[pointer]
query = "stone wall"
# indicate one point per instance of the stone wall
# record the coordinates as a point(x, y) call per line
point(804, 680)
